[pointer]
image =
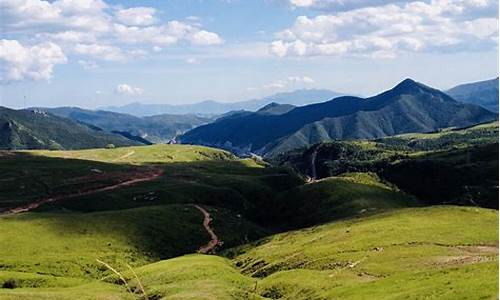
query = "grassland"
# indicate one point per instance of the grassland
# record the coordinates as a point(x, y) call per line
point(333, 198)
point(370, 243)
point(435, 253)
point(431, 253)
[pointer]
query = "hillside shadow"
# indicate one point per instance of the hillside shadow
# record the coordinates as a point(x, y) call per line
point(157, 216)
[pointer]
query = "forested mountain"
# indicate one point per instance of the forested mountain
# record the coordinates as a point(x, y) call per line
point(153, 129)
point(35, 129)
point(408, 107)
point(484, 93)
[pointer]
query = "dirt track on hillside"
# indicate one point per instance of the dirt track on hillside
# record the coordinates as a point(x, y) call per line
point(210, 246)
point(139, 176)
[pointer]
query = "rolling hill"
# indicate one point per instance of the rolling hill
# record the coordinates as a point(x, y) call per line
point(451, 166)
point(210, 107)
point(153, 129)
point(436, 253)
point(484, 93)
point(135, 209)
point(408, 107)
point(35, 129)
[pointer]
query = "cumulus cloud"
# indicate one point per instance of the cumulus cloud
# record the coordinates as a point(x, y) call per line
point(88, 64)
point(300, 79)
point(168, 34)
point(93, 30)
point(205, 38)
point(192, 60)
point(125, 89)
point(385, 31)
point(139, 16)
point(106, 52)
point(289, 82)
point(338, 5)
point(18, 62)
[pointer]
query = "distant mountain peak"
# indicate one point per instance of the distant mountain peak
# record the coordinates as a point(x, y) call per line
point(270, 105)
point(408, 86)
point(276, 108)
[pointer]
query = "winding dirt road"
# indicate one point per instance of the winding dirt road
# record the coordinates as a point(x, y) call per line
point(210, 246)
point(149, 175)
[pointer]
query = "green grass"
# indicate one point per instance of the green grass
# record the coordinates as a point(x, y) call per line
point(143, 154)
point(333, 198)
point(195, 277)
point(68, 244)
point(370, 246)
point(90, 291)
point(433, 253)
point(430, 253)
point(192, 174)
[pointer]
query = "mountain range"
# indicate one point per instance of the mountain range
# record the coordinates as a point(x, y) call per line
point(484, 93)
point(408, 107)
point(151, 129)
point(210, 107)
point(36, 129)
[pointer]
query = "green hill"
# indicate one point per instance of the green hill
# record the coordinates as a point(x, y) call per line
point(432, 253)
point(436, 253)
point(189, 174)
point(369, 245)
point(333, 198)
point(34, 129)
point(452, 166)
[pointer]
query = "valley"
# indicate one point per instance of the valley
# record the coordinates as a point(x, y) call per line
point(249, 150)
point(273, 234)
point(382, 213)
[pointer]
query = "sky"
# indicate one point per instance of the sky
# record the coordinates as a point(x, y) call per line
point(95, 53)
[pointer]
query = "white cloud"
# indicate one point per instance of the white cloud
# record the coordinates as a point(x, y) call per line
point(18, 62)
point(94, 30)
point(125, 89)
point(138, 16)
point(205, 38)
point(88, 64)
point(289, 82)
point(192, 60)
point(339, 5)
point(300, 79)
point(302, 3)
point(385, 31)
point(168, 34)
point(105, 52)
point(274, 85)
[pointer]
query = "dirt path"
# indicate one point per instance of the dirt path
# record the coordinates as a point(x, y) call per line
point(125, 156)
point(210, 246)
point(151, 174)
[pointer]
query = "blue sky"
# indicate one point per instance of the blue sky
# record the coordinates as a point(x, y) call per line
point(93, 53)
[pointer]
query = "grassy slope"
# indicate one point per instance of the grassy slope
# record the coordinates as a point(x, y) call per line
point(57, 248)
point(209, 277)
point(334, 198)
point(68, 244)
point(433, 251)
point(192, 174)
point(27, 129)
point(430, 252)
